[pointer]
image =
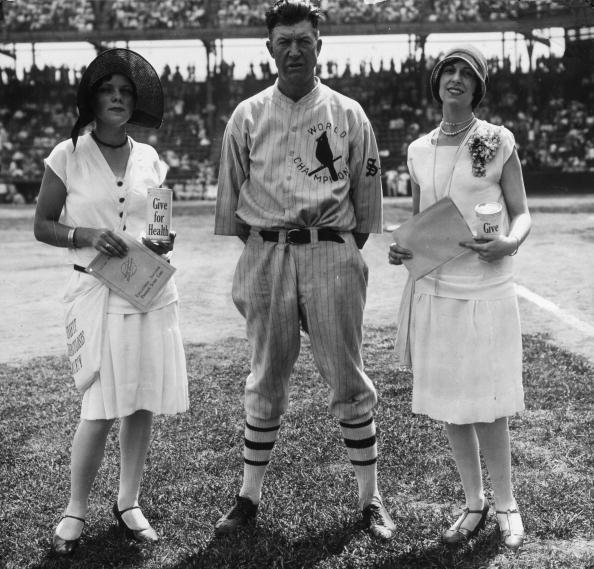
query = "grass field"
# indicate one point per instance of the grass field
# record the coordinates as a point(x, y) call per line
point(308, 517)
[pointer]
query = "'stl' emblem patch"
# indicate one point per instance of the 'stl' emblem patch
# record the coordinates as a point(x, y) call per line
point(371, 167)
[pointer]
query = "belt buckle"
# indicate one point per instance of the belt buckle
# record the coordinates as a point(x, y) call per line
point(289, 238)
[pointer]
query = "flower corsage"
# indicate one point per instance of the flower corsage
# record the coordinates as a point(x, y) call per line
point(483, 145)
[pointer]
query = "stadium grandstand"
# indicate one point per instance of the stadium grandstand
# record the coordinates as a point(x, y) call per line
point(549, 106)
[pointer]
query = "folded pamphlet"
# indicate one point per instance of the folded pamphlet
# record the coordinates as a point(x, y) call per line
point(433, 236)
point(138, 277)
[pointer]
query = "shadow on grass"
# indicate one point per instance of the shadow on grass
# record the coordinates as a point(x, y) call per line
point(100, 548)
point(478, 552)
point(260, 547)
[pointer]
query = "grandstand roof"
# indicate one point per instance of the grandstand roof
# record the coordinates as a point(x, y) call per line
point(574, 19)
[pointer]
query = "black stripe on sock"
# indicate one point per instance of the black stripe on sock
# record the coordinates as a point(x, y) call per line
point(360, 443)
point(256, 462)
point(364, 462)
point(253, 445)
point(356, 425)
point(262, 429)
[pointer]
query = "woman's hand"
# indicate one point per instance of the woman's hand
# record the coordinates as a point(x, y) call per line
point(397, 254)
point(160, 247)
point(493, 249)
point(104, 240)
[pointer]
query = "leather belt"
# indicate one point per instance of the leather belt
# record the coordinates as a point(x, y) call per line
point(301, 236)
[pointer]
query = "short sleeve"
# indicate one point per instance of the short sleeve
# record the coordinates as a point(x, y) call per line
point(508, 143)
point(411, 169)
point(58, 159)
point(410, 161)
point(152, 162)
point(162, 168)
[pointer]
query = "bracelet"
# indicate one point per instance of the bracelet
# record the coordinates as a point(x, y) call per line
point(517, 247)
point(71, 241)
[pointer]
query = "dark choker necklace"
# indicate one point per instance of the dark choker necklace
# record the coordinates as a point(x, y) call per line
point(99, 141)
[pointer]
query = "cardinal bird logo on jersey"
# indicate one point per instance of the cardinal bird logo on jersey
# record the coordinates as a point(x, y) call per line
point(325, 157)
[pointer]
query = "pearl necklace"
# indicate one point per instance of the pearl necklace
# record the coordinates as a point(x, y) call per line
point(458, 123)
point(455, 132)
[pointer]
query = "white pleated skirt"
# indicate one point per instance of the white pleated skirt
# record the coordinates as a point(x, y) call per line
point(143, 366)
point(466, 359)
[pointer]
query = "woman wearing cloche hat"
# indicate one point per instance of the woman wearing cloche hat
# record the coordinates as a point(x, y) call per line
point(132, 362)
point(459, 326)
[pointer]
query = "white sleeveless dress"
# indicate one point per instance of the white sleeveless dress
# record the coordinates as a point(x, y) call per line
point(143, 362)
point(465, 337)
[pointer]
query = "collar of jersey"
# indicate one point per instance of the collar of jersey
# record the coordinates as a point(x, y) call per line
point(306, 99)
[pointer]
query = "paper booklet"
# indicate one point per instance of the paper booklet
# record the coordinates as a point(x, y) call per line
point(433, 236)
point(138, 277)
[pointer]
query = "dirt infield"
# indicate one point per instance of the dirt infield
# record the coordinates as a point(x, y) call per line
point(555, 263)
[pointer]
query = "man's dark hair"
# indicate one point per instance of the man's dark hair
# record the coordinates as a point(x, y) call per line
point(285, 13)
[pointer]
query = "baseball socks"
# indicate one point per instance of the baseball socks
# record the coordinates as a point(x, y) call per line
point(360, 441)
point(260, 436)
point(359, 438)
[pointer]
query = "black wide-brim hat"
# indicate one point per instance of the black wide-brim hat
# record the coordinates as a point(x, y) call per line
point(477, 62)
point(149, 108)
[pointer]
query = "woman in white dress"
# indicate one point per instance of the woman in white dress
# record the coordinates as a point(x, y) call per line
point(94, 185)
point(461, 322)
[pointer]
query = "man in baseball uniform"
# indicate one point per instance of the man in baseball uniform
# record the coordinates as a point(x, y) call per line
point(300, 184)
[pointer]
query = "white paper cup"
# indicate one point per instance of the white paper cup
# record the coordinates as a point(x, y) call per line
point(158, 213)
point(489, 220)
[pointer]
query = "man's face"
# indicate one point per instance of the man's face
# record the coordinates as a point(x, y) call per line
point(295, 50)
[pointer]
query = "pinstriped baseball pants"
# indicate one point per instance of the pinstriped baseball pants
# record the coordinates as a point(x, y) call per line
point(323, 285)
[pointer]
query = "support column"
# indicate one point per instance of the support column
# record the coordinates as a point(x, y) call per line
point(210, 48)
point(530, 48)
point(423, 87)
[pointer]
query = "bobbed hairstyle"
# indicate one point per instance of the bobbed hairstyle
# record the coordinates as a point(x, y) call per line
point(287, 13)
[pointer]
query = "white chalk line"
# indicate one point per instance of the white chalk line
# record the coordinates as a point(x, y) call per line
point(551, 307)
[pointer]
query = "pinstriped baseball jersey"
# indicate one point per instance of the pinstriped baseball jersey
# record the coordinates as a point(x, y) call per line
point(309, 163)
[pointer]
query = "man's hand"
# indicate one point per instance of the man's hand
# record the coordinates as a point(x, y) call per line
point(360, 239)
point(243, 232)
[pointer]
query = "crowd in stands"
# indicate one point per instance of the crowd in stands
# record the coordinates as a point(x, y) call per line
point(550, 111)
point(156, 14)
point(403, 11)
point(88, 15)
point(24, 15)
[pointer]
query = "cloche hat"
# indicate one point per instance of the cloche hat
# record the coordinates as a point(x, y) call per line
point(149, 108)
point(477, 62)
